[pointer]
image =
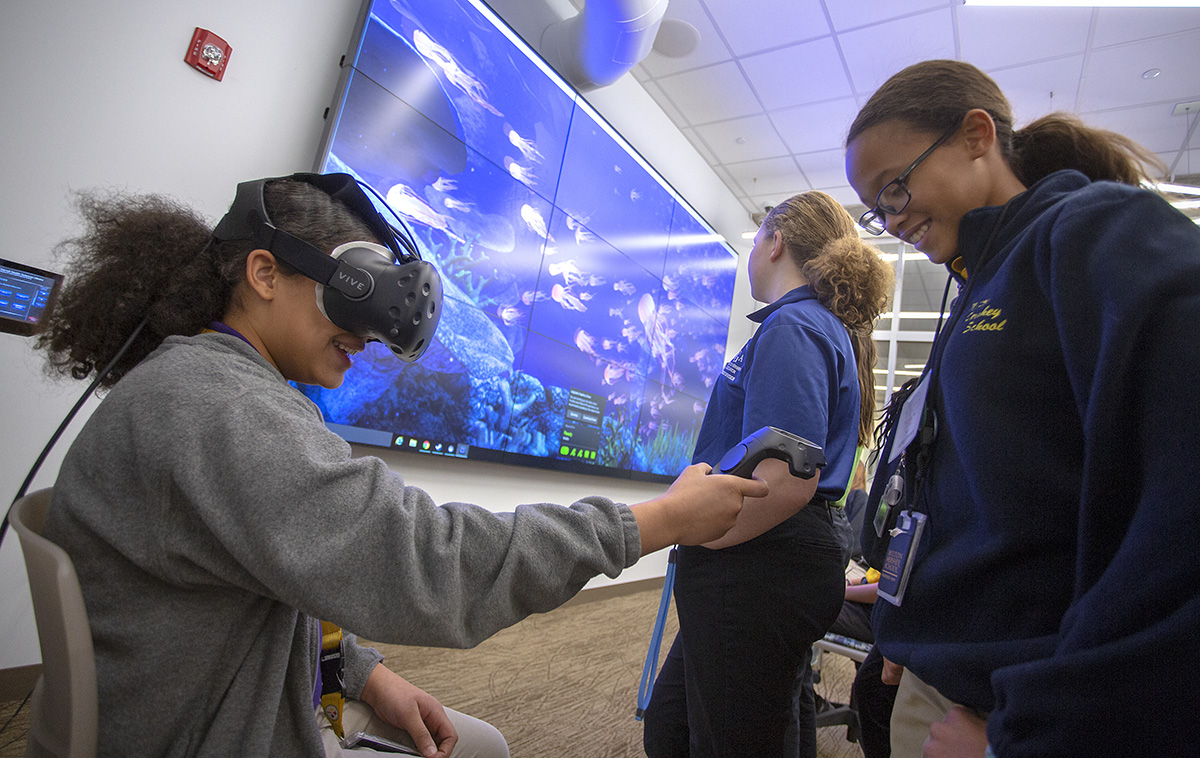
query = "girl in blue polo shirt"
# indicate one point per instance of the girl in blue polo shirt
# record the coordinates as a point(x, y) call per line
point(1051, 594)
point(752, 603)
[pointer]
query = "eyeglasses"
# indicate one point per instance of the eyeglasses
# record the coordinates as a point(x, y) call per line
point(894, 197)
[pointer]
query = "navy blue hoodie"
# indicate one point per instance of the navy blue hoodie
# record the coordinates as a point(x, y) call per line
point(1056, 584)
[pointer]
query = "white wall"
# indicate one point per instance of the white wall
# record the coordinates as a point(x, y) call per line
point(96, 95)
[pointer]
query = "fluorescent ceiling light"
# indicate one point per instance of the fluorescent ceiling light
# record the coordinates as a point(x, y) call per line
point(1177, 189)
point(1091, 3)
point(911, 314)
point(1184, 205)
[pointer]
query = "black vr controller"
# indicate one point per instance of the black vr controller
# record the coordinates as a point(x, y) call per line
point(803, 457)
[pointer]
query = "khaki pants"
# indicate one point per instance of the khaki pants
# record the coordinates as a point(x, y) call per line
point(917, 707)
point(476, 739)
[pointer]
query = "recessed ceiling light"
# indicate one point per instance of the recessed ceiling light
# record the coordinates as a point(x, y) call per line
point(740, 140)
point(676, 38)
point(1151, 73)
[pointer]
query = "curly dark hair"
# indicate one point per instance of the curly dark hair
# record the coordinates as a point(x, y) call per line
point(148, 257)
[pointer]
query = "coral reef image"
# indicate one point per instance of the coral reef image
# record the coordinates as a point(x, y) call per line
point(586, 305)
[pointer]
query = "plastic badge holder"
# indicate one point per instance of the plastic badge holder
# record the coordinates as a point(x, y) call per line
point(378, 744)
point(897, 565)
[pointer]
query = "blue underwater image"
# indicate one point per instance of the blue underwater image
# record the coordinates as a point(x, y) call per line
point(586, 306)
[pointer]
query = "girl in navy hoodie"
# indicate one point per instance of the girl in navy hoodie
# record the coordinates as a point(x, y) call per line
point(1050, 598)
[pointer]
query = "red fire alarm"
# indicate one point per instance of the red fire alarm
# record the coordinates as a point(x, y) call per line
point(208, 53)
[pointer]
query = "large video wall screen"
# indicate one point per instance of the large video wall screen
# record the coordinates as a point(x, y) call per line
point(586, 304)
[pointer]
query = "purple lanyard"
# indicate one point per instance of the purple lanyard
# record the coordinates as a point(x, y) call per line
point(217, 326)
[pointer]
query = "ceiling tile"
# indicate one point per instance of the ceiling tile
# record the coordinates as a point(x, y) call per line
point(727, 179)
point(846, 15)
point(1039, 88)
point(751, 208)
point(698, 143)
point(771, 23)
point(656, 92)
point(804, 73)
point(994, 37)
point(1117, 25)
point(768, 176)
point(875, 53)
point(712, 48)
point(846, 196)
point(821, 126)
point(824, 169)
point(1187, 164)
point(1151, 126)
point(797, 76)
point(711, 94)
point(760, 139)
point(769, 200)
point(1113, 76)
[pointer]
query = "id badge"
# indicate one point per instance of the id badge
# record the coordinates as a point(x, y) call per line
point(897, 565)
point(911, 418)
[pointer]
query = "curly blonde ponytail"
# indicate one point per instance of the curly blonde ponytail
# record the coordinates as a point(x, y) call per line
point(847, 276)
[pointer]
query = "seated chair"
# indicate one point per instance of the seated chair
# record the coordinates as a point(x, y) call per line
point(850, 635)
point(830, 713)
point(63, 712)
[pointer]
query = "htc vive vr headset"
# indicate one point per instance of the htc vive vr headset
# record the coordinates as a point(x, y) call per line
point(383, 293)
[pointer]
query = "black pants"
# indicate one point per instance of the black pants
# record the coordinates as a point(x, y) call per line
point(873, 702)
point(748, 616)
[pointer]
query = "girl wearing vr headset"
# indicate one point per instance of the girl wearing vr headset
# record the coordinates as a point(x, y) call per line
point(213, 518)
point(1059, 476)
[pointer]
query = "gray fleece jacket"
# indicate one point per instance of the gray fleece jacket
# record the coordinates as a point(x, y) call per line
point(213, 519)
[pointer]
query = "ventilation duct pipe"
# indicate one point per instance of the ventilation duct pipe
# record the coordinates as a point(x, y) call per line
point(606, 39)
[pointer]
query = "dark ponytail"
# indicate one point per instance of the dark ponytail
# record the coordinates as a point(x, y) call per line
point(846, 275)
point(935, 95)
point(149, 257)
point(1061, 140)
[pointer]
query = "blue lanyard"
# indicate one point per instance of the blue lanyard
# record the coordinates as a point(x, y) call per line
point(646, 687)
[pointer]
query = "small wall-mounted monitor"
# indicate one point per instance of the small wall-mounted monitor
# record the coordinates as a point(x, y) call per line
point(26, 296)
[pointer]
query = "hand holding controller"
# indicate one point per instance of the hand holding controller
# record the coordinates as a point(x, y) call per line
point(803, 457)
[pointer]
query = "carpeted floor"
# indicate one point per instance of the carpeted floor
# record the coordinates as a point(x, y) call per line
point(565, 683)
point(558, 685)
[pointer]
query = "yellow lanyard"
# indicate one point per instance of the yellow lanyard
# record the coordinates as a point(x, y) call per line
point(333, 699)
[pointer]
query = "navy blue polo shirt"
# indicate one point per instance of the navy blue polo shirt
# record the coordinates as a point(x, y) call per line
point(797, 373)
